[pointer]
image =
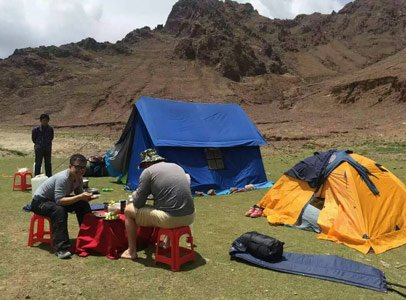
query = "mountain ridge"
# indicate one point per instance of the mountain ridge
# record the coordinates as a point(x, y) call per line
point(224, 52)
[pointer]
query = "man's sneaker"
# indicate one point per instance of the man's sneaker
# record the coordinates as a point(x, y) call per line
point(256, 213)
point(63, 254)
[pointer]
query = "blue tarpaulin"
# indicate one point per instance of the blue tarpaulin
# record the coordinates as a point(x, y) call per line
point(186, 124)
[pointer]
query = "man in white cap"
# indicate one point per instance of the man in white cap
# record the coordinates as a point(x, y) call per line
point(173, 205)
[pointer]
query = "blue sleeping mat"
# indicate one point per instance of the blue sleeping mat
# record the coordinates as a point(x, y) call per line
point(327, 267)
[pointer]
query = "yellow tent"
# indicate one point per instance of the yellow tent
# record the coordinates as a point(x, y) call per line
point(352, 214)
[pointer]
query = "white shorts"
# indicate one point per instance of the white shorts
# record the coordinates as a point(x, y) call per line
point(147, 216)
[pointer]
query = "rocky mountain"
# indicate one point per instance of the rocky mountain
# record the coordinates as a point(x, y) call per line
point(305, 78)
point(236, 40)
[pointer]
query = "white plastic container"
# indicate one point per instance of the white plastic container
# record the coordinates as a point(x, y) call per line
point(37, 181)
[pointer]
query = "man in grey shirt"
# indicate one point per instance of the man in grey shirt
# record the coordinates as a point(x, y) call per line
point(173, 201)
point(54, 199)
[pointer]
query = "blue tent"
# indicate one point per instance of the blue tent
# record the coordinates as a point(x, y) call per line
point(216, 144)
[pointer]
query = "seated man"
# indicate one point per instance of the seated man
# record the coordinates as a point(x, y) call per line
point(173, 206)
point(53, 199)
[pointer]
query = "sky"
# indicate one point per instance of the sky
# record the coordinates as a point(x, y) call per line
point(33, 23)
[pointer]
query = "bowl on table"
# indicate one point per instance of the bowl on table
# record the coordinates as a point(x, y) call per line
point(92, 190)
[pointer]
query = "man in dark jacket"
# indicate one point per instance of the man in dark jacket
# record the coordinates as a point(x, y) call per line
point(42, 137)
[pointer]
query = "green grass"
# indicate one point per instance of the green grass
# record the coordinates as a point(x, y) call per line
point(36, 273)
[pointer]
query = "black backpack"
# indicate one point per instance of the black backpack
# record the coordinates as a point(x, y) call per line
point(260, 246)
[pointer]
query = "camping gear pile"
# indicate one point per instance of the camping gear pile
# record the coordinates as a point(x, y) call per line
point(96, 167)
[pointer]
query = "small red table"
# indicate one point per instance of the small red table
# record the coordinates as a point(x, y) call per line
point(108, 237)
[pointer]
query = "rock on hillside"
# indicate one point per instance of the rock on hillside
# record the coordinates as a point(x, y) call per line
point(213, 33)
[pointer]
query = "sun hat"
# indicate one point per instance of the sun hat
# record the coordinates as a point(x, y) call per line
point(150, 155)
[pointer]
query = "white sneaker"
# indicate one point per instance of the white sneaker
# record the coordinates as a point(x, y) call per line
point(63, 254)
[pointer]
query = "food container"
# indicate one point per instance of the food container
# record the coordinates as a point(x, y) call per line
point(114, 208)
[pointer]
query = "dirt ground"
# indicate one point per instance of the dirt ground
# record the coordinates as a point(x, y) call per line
point(285, 135)
point(17, 141)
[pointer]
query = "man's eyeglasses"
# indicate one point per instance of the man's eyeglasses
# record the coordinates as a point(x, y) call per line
point(78, 167)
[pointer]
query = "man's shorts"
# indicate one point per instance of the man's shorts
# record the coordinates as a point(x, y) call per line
point(148, 216)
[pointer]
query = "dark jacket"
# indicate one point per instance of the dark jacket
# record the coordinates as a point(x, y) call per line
point(42, 136)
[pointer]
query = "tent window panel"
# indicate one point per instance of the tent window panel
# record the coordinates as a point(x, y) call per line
point(209, 154)
point(215, 164)
point(214, 158)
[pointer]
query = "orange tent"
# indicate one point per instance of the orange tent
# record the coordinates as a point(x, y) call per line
point(352, 214)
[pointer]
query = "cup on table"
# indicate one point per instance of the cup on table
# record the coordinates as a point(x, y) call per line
point(85, 183)
point(123, 203)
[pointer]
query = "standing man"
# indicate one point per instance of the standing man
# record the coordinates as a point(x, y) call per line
point(42, 137)
point(173, 202)
point(54, 199)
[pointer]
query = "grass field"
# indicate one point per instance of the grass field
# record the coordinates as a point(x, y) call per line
point(35, 273)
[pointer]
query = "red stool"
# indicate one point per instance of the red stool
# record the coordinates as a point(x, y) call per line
point(178, 254)
point(38, 233)
point(23, 185)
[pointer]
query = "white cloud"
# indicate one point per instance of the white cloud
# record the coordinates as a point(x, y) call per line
point(310, 6)
point(271, 8)
point(288, 9)
point(94, 10)
point(260, 7)
point(32, 23)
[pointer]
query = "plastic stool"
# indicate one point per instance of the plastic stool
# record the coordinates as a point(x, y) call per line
point(178, 255)
point(38, 234)
point(23, 185)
